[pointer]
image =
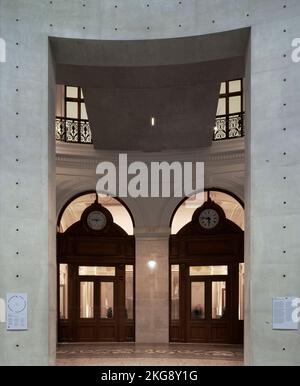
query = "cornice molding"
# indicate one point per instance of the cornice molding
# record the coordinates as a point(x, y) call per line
point(86, 157)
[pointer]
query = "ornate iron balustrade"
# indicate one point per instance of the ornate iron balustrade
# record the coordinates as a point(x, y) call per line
point(79, 131)
point(229, 126)
point(73, 130)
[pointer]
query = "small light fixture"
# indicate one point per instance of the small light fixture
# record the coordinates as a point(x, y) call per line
point(152, 121)
point(152, 264)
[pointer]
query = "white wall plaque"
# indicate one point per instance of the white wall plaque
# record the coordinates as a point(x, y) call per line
point(16, 311)
point(282, 314)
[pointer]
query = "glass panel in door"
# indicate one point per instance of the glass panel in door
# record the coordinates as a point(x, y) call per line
point(218, 297)
point(63, 291)
point(198, 300)
point(129, 289)
point(209, 270)
point(175, 292)
point(86, 299)
point(106, 300)
point(96, 271)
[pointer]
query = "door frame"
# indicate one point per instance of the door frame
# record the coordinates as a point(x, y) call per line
point(208, 323)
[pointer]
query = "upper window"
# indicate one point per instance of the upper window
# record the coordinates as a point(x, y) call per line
point(230, 111)
point(73, 125)
point(74, 103)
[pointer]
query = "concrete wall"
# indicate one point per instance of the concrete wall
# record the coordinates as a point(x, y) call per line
point(273, 265)
point(26, 25)
point(27, 180)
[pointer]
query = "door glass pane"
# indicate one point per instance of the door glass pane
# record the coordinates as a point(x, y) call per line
point(218, 299)
point(72, 92)
point(72, 110)
point(198, 300)
point(107, 300)
point(235, 86)
point(86, 299)
point(223, 88)
point(221, 107)
point(129, 292)
point(97, 271)
point(209, 270)
point(241, 290)
point(63, 291)
point(83, 111)
point(235, 104)
point(175, 292)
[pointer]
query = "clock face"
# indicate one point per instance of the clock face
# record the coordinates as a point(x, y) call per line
point(16, 304)
point(209, 218)
point(96, 220)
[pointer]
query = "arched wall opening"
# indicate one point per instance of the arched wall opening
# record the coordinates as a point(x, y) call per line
point(207, 272)
point(74, 207)
point(96, 270)
point(232, 205)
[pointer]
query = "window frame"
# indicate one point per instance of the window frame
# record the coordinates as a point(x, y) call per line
point(77, 100)
point(227, 95)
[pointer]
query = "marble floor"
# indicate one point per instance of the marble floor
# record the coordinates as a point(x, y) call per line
point(131, 354)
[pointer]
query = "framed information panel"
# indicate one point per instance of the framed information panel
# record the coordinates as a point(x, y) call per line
point(283, 310)
point(16, 311)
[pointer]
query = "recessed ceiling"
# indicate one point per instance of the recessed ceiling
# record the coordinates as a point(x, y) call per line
point(126, 83)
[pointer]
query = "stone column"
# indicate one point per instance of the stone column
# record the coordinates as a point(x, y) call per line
point(27, 180)
point(273, 188)
point(152, 286)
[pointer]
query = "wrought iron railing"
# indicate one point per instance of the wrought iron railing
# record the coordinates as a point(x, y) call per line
point(79, 131)
point(229, 126)
point(73, 130)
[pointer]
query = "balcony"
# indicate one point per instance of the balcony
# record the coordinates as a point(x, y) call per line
point(78, 130)
point(229, 127)
point(73, 130)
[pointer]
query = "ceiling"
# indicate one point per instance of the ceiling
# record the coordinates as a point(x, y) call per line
point(176, 81)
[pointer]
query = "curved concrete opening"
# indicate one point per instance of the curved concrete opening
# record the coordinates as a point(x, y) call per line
point(151, 95)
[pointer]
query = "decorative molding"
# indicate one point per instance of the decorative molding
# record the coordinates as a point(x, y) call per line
point(86, 157)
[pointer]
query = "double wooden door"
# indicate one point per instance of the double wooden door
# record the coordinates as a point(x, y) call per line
point(205, 303)
point(100, 303)
point(209, 309)
point(98, 308)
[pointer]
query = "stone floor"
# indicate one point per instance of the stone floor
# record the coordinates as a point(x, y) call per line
point(131, 354)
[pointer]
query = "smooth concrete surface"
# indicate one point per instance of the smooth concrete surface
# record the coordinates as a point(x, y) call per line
point(27, 180)
point(272, 152)
point(273, 205)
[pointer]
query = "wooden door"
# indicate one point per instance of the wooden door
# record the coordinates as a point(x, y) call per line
point(96, 309)
point(205, 295)
point(100, 304)
point(208, 309)
point(95, 280)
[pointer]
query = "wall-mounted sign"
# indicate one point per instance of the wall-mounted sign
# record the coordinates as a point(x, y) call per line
point(282, 314)
point(16, 311)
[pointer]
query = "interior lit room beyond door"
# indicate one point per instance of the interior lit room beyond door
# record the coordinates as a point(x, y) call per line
point(96, 279)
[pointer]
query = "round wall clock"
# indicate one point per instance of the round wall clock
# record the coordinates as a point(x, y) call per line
point(96, 220)
point(209, 218)
point(16, 304)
